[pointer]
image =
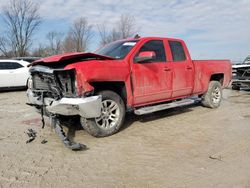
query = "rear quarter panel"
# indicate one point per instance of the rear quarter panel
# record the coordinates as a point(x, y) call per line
point(204, 69)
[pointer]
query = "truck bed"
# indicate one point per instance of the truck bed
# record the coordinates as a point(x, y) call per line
point(205, 68)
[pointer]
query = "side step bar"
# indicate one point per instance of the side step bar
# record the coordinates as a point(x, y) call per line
point(150, 109)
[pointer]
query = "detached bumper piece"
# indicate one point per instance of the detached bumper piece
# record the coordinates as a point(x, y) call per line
point(67, 142)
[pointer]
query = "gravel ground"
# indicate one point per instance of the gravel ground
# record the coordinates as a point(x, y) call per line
point(185, 147)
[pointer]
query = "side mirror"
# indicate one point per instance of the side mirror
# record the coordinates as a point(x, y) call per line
point(145, 56)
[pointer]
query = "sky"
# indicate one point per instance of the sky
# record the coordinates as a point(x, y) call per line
point(212, 29)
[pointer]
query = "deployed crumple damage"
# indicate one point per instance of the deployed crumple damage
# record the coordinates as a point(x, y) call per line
point(92, 68)
point(59, 87)
point(72, 57)
point(56, 90)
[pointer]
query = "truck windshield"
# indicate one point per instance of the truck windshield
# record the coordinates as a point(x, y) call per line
point(117, 50)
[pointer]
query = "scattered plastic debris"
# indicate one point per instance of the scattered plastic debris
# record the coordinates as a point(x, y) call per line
point(67, 142)
point(219, 158)
point(31, 134)
point(44, 141)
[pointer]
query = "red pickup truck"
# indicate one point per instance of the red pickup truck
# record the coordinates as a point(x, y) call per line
point(140, 75)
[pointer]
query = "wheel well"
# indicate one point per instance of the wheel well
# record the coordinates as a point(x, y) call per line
point(118, 87)
point(217, 77)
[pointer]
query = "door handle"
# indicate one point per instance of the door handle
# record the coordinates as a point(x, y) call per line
point(189, 68)
point(167, 69)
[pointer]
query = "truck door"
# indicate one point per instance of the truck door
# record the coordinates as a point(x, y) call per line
point(183, 70)
point(151, 82)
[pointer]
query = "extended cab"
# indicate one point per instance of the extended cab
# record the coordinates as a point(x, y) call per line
point(140, 75)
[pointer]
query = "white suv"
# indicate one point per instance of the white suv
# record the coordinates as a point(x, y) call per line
point(13, 74)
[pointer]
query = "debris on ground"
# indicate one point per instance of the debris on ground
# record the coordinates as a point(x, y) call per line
point(219, 158)
point(44, 141)
point(31, 134)
point(67, 142)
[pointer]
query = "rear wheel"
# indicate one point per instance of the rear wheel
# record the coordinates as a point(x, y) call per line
point(111, 119)
point(212, 98)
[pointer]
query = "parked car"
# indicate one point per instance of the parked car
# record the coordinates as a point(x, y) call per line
point(28, 59)
point(241, 75)
point(140, 75)
point(14, 74)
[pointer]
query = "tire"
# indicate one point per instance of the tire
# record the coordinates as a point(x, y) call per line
point(112, 118)
point(212, 98)
point(234, 87)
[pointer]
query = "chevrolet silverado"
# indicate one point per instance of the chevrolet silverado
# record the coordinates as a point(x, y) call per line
point(139, 75)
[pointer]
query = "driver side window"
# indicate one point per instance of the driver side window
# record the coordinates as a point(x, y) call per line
point(156, 46)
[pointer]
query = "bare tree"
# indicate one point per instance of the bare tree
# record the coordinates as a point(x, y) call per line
point(69, 44)
point(3, 46)
point(22, 19)
point(55, 42)
point(41, 51)
point(103, 34)
point(124, 28)
point(79, 35)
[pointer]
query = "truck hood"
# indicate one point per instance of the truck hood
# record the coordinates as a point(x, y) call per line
point(75, 56)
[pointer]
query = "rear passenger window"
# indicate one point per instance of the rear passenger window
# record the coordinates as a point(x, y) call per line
point(15, 65)
point(158, 47)
point(3, 66)
point(9, 65)
point(177, 51)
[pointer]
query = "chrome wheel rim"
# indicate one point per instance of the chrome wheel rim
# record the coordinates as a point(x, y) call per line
point(216, 95)
point(110, 113)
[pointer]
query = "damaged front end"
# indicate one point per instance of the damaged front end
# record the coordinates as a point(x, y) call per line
point(56, 90)
point(54, 93)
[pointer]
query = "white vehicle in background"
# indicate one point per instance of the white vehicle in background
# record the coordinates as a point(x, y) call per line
point(247, 60)
point(241, 75)
point(14, 74)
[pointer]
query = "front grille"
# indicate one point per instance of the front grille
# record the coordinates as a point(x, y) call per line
point(60, 83)
point(39, 83)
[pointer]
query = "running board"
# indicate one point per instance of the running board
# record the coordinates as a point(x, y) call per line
point(150, 109)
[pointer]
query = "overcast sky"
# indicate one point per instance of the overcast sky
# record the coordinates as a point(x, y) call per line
point(211, 28)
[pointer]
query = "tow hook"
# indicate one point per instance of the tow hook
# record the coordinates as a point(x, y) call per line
point(55, 122)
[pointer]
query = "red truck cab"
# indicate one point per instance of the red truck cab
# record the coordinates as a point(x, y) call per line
point(142, 75)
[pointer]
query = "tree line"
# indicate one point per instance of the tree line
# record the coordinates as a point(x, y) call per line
point(22, 21)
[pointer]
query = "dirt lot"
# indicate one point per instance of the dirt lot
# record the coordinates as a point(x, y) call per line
point(185, 147)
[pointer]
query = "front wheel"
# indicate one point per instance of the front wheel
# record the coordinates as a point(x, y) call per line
point(212, 98)
point(111, 119)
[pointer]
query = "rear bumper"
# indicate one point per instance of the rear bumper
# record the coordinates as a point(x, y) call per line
point(89, 107)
